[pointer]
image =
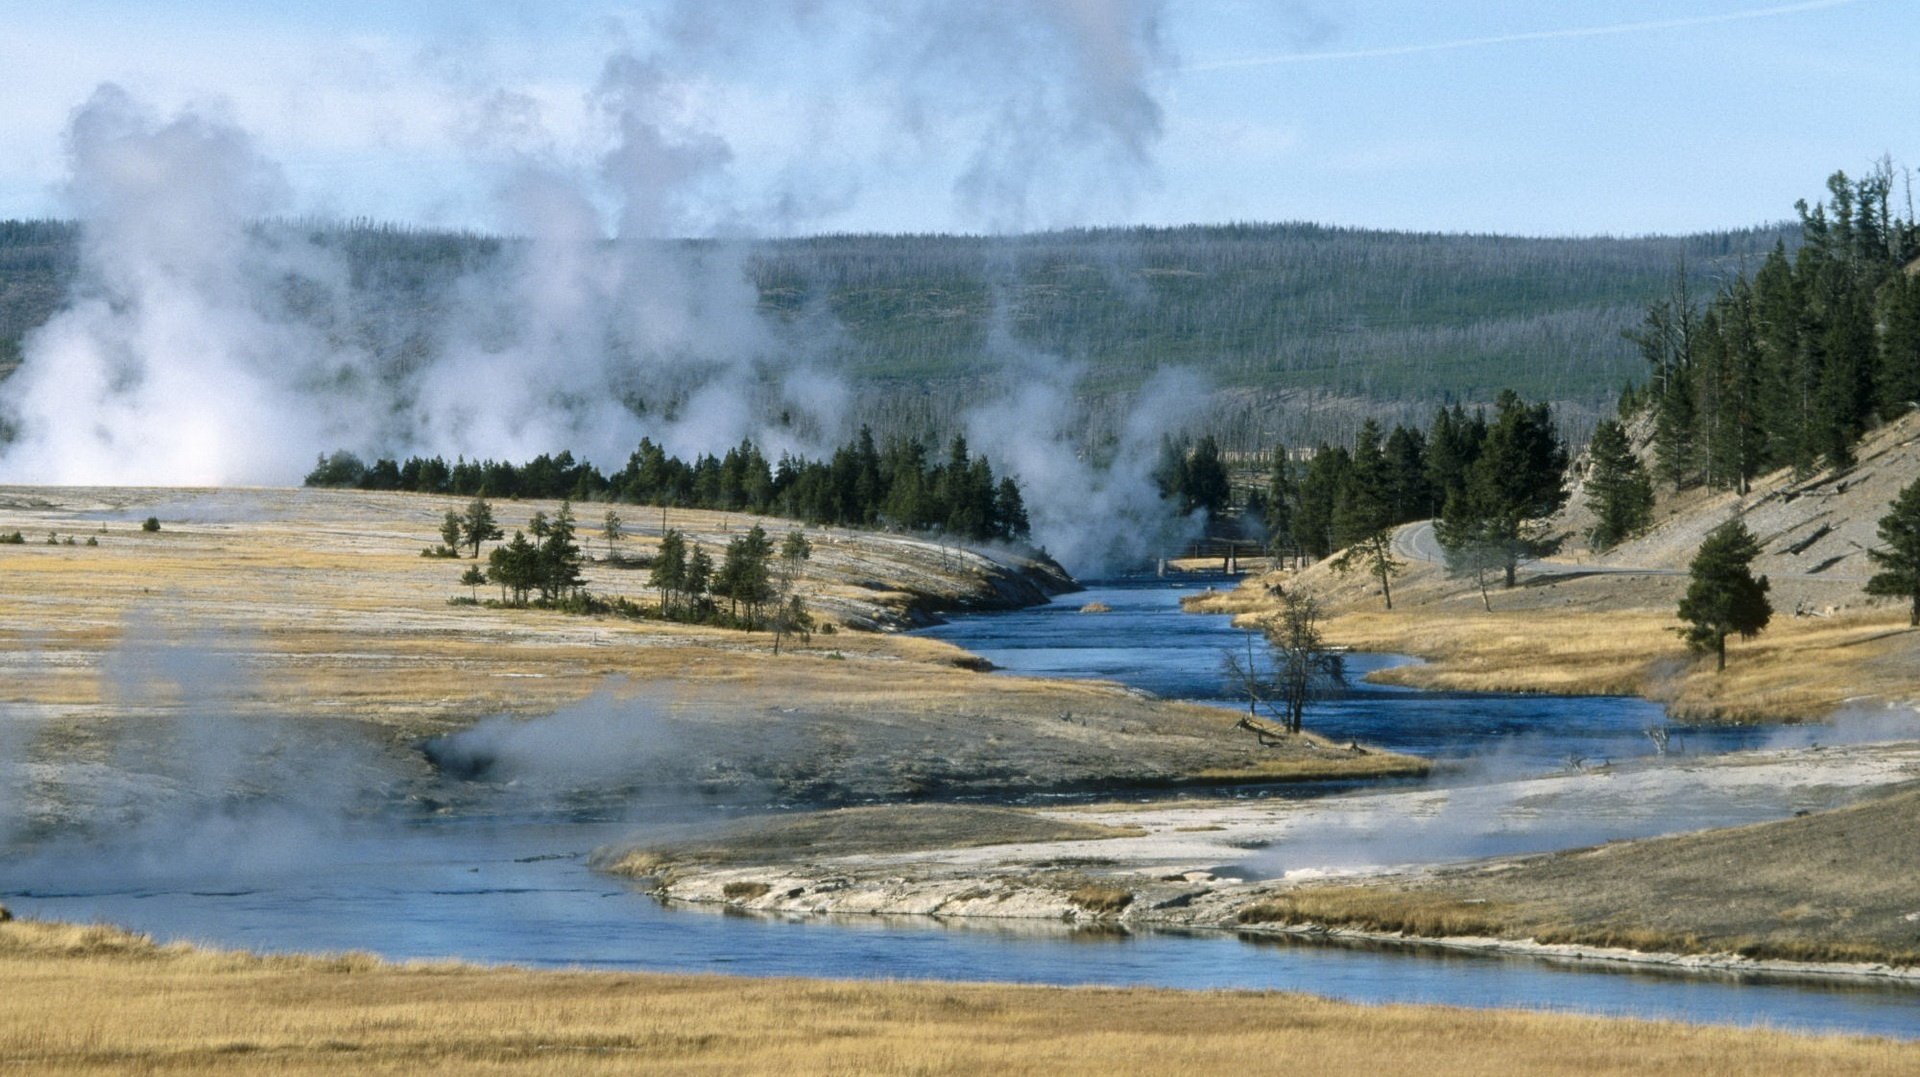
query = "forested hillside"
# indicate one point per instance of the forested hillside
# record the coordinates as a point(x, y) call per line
point(1387, 322)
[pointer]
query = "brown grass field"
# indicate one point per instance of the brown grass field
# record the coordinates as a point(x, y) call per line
point(92, 1000)
point(1835, 886)
point(322, 603)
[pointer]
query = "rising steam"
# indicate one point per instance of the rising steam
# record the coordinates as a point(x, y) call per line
point(205, 344)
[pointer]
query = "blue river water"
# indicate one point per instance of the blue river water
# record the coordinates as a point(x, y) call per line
point(493, 891)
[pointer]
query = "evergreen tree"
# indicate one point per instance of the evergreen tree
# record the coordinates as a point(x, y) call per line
point(745, 576)
point(451, 529)
point(1899, 366)
point(1899, 561)
point(1516, 482)
point(1723, 597)
point(1282, 505)
point(1320, 488)
point(668, 574)
point(1409, 495)
point(612, 528)
point(790, 612)
point(1010, 512)
point(1207, 489)
point(515, 566)
point(478, 525)
point(1471, 539)
point(1453, 444)
point(1619, 493)
point(1363, 513)
point(472, 578)
point(1668, 341)
point(698, 584)
point(560, 557)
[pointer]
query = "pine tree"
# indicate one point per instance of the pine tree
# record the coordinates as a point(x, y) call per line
point(1325, 474)
point(1363, 513)
point(1619, 493)
point(669, 572)
point(1282, 505)
point(1900, 560)
point(1516, 482)
point(1899, 361)
point(1723, 597)
point(478, 525)
point(1668, 341)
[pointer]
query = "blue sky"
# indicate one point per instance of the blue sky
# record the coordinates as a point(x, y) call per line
point(1577, 117)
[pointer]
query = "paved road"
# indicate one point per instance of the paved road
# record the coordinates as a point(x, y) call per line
point(1417, 542)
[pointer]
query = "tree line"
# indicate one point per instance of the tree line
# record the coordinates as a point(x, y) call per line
point(1488, 481)
point(860, 485)
point(1788, 366)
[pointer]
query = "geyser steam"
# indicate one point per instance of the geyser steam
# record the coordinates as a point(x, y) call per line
point(207, 342)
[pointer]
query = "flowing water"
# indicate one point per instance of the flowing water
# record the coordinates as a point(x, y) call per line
point(480, 887)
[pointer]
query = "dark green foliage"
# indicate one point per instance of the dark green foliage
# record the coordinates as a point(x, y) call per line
point(1899, 560)
point(150, 524)
point(1790, 368)
point(669, 572)
point(1320, 489)
point(478, 526)
point(1280, 507)
point(1409, 491)
point(1899, 372)
point(1723, 597)
point(1193, 478)
point(859, 486)
point(341, 469)
point(1402, 319)
point(1516, 481)
point(472, 578)
point(515, 567)
point(745, 578)
point(1364, 512)
point(1619, 492)
point(13, 538)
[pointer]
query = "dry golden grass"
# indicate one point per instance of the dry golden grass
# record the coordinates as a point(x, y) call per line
point(1835, 886)
point(87, 1000)
point(1799, 668)
point(1607, 635)
point(322, 599)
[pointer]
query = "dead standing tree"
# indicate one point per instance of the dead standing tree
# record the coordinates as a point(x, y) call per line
point(1303, 666)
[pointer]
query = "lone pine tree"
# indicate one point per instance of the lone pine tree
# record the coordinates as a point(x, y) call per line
point(1723, 596)
point(1900, 561)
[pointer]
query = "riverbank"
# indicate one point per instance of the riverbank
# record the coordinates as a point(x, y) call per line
point(1294, 865)
point(1587, 623)
point(93, 1000)
point(258, 608)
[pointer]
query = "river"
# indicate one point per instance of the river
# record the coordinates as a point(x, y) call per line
point(481, 888)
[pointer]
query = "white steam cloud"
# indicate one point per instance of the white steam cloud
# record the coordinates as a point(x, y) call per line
point(206, 342)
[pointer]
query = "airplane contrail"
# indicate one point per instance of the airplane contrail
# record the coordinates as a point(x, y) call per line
point(1532, 35)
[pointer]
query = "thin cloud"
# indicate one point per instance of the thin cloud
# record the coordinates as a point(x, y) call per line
point(1532, 35)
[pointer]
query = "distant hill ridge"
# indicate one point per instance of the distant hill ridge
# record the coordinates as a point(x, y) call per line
point(1392, 322)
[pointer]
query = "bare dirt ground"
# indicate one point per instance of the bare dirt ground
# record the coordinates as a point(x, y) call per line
point(92, 1000)
point(317, 604)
